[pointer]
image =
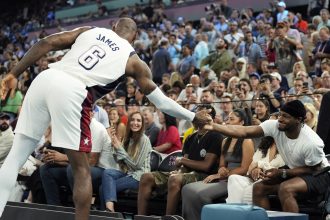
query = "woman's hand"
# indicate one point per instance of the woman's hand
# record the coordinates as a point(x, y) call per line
point(210, 178)
point(223, 172)
point(256, 174)
point(114, 140)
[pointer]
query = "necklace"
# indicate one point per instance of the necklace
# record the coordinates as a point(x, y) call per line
point(200, 137)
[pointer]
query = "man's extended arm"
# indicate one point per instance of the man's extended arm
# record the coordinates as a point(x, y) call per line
point(58, 41)
point(237, 131)
point(142, 74)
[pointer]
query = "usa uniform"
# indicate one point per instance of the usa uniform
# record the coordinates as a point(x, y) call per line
point(63, 94)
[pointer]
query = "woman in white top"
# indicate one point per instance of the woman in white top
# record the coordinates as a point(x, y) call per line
point(265, 158)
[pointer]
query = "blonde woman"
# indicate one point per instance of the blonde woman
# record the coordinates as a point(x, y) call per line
point(233, 81)
point(311, 116)
point(297, 67)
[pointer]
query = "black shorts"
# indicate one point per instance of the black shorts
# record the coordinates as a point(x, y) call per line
point(317, 184)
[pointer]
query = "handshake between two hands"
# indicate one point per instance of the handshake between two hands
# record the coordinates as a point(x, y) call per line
point(203, 119)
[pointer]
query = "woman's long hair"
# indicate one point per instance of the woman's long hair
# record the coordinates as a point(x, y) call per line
point(118, 121)
point(265, 144)
point(169, 121)
point(133, 149)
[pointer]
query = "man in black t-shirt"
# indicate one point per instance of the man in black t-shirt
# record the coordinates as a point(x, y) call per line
point(201, 152)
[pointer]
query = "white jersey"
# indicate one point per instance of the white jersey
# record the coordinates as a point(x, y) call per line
point(98, 57)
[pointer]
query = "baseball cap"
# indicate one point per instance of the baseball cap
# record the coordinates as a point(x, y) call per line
point(277, 75)
point(294, 108)
point(271, 65)
point(281, 4)
point(255, 74)
point(4, 115)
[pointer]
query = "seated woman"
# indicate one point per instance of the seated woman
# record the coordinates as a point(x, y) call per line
point(236, 156)
point(262, 112)
point(115, 122)
point(168, 139)
point(265, 158)
point(311, 116)
point(133, 157)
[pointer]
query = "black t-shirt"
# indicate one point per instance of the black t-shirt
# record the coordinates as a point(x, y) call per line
point(197, 146)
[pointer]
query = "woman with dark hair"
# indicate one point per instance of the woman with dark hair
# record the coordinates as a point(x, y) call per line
point(262, 111)
point(266, 157)
point(236, 156)
point(133, 156)
point(168, 139)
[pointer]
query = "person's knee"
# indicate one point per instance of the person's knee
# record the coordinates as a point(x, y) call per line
point(174, 182)
point(188, 194)
point(258, 189)
point(147, 179)
point(43, 171)
point(286, 189)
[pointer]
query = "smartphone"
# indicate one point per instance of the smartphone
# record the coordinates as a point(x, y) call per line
point(305, 85)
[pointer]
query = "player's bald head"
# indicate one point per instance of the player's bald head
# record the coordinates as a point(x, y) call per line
point(126, 28)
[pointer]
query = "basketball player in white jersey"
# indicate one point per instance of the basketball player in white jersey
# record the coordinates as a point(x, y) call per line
point(63, 95)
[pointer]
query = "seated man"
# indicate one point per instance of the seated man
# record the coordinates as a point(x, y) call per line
point(201, 152)
point(301, 149)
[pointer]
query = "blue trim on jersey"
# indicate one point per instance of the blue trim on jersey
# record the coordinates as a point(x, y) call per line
point(132, 53)
point(100, 91)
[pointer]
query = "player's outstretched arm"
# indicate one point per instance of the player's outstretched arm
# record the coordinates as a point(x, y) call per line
point(58, 41)
point(142, 74)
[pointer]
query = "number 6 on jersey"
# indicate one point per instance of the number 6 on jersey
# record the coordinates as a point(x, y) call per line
point(91, 57)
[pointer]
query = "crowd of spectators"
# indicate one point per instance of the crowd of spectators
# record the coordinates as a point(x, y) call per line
point(242, 64)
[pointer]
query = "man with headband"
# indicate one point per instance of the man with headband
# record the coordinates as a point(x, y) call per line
point(301, 149)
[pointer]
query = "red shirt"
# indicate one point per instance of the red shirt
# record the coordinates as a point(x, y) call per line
point(124, 119)
point(171, 135)
point(302, 26)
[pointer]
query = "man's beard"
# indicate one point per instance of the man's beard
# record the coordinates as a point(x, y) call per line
point(4, 126)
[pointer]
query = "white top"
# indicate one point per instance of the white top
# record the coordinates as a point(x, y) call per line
point(98, 57)
point(306, 150)
point(101, 143)
point(265, 163)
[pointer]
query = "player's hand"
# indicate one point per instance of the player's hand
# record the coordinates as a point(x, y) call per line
point(202, 118)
